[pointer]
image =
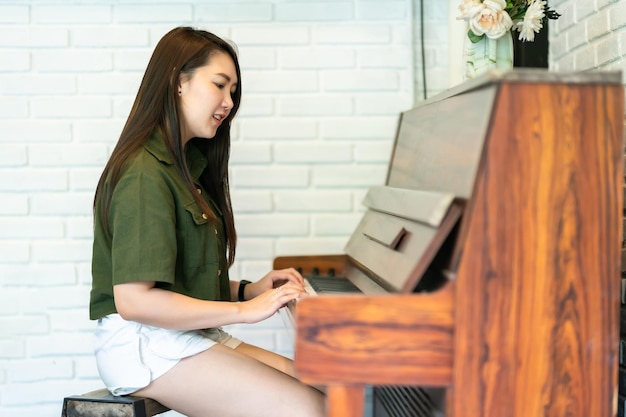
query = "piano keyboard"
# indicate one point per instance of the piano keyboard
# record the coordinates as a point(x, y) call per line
point(326, 284)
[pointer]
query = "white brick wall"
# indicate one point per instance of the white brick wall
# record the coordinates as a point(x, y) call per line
point(323, 84)
point(590, 34)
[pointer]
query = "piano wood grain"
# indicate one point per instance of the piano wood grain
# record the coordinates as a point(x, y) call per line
point(390, 339)
point(538, 290)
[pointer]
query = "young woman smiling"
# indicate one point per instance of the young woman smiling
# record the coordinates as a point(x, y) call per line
point(164, 238)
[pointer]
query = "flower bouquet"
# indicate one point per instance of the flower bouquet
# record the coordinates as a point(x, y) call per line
point(491, 23)
point(493, 18)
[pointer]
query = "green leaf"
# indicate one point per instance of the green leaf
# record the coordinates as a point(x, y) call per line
point(473, 37)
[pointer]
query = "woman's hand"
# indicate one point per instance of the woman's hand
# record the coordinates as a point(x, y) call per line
point(272, 280)
point(267, 303)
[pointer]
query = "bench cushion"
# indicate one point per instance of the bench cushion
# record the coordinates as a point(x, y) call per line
point(102, 403)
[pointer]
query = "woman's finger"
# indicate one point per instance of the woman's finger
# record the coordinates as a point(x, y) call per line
point(291, 275)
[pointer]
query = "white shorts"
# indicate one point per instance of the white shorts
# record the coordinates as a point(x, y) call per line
point(130, 355)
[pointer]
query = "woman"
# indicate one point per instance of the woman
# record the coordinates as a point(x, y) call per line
point(164, 238)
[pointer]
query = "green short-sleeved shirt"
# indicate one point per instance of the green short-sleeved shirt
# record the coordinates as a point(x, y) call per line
point(158, 233)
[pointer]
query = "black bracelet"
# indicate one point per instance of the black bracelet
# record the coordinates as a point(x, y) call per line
point(242, 287)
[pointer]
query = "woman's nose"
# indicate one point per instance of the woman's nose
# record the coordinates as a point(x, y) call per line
point(227, 103)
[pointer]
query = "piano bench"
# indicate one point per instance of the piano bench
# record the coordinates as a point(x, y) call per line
point(102, 403)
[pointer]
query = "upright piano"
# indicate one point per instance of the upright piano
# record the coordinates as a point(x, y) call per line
point(486, 267)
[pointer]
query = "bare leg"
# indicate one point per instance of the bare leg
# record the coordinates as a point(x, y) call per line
point(224, 382)
point(272, 359)
point(269, 358)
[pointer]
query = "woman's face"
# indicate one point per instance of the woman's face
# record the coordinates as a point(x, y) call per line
point(206, 97)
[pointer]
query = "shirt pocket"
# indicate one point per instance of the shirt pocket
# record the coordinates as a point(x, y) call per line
point(198, 246)
point(198, 217)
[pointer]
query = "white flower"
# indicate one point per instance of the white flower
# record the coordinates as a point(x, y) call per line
point(467, 9)
point(532, 22)
point(489, 18)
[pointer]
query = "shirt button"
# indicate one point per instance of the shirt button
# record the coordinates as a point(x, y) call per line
point(215, 231)
point(219, 272)
point(199, 190)
point(204, 216)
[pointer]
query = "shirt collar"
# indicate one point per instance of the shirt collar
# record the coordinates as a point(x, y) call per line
point(196, 160)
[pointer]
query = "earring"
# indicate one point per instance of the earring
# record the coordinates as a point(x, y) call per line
point(180, 93)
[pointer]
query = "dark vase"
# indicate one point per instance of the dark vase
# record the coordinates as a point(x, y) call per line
point(531, 54)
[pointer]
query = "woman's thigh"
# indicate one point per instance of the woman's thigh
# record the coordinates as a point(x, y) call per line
point(272, 359)
point(224, 382)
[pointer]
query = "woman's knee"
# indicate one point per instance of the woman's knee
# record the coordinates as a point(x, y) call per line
point(269, 358)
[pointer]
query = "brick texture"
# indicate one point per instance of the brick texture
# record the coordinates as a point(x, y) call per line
point(589, 35)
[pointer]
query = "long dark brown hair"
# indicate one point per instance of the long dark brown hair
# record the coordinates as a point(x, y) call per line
point(179, 53)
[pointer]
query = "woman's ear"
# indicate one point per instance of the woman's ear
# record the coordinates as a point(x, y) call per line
point(182, 80)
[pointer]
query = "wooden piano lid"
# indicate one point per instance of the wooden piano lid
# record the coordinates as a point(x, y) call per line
point(400, 234)
point(438, 145)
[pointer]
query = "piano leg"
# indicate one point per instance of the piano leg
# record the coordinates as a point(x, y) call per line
point(345, 400)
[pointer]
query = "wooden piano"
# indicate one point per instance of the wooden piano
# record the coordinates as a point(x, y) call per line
point(488, 263)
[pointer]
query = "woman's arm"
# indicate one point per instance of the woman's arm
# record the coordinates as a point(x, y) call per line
point(144, 303)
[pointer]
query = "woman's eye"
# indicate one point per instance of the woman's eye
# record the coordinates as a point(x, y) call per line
point(220, 86)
